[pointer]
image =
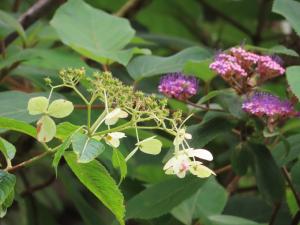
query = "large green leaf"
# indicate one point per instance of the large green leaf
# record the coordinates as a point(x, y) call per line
point(200, 69)
point(147, 66)
point(268, 175)
point(16, 125)
point(89, 215)
point(230, 220)
point(162, 197)
point(293, 79)
point(210, 199)
point(98, 35)
point(86, 148)
point(96, 178)
point(290, 10)
point(119, 162)
point(12, 23)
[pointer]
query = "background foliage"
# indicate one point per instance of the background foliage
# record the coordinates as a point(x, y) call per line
point(257, 181)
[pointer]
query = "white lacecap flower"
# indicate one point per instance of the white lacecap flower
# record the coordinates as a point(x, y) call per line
point(181, 136)
point(113, 117)
point(185, 160)
point(46, 127)
point(113, 139)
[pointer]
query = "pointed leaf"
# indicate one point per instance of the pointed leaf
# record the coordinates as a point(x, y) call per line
point(17, 125)
point(86, 148)
point(97, 180)
point(118, 161)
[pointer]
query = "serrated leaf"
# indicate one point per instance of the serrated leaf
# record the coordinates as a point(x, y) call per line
point(99, 35)
point(86, 148)
point(119, 162)
point(147, 66)
point(7, 184)
point(162, 197)
point(97, 180)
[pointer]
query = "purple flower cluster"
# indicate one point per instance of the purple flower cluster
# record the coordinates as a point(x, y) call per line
point(241, 63)
point(265, 104)
point(179, 86)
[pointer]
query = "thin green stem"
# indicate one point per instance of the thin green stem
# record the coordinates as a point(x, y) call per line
point(115, 129)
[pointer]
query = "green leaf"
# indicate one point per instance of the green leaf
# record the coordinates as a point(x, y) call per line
point(287, 150)
point(268, 175)
point(86, 148)
point(97, 180)
point(278, 49)
point(206, 131)
point(147, 66)
point(240, 159)
point(210, 95)
point(64, 130)
point(89, 215)
point(118, 161)
point(293, 78)
point(17, 125)
point(98, 35)
point(290, 10)
point(210, 199)
point(200, 69)
point(7, 149)
point(60, 152)
point(11, 22)
point(7, 184)
point(230, 220)
point(162, 197)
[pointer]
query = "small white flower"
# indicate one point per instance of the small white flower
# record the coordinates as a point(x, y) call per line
point(113, 117)
point(181, 136)
point(184, 161)
point(113, 139)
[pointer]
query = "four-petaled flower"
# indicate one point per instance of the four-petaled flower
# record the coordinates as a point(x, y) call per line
point(185, 160)
point(46, 128)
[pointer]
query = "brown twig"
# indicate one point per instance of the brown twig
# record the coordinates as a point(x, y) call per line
point(274, 213)
point(288, 179)
point(38, 187)
point(99, 106)
point(29, 161)
point(130, 7)
point(39, 9)
point(231, 187)
point(205, 108)
point(223, 169)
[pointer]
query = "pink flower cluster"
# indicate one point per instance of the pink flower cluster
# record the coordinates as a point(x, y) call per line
point(265, 104)
point(179, 86)
point(241, 63)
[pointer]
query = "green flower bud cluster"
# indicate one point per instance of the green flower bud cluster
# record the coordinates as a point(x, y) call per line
point(72, 76)
point(136, 103)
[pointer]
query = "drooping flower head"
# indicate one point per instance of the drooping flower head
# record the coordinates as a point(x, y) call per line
point(179, 86)
point(265, 104)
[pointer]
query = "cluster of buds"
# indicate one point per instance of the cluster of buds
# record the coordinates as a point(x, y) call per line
point(179, 86)
point(71, 76)
point(244, 70)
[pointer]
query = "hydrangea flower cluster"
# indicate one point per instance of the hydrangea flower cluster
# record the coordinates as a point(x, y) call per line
point(179, 86)
point(243, 69)
point(265, 104)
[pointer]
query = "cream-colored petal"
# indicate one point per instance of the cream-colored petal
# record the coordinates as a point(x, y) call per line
point(37, 105)
point(60, 108)
point(46, 129)
point(201, 154)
